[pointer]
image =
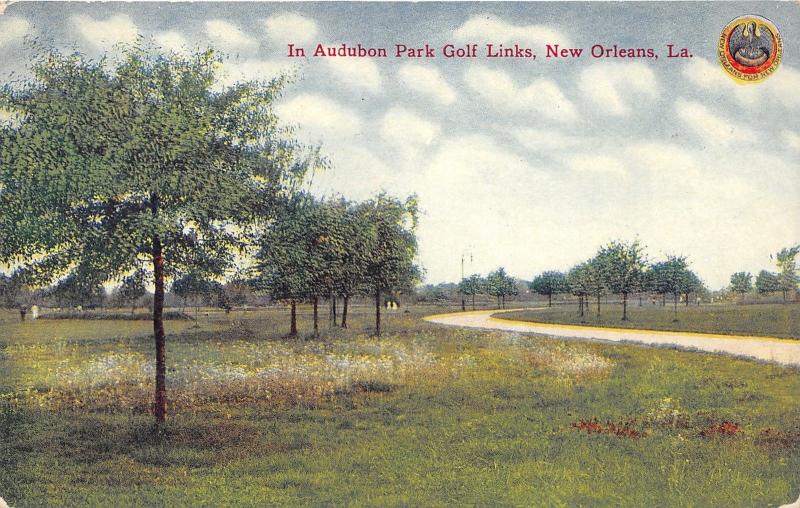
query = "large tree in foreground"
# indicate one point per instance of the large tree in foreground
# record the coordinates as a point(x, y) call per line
point(112, 165)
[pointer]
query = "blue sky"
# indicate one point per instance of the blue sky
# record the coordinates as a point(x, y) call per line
point(526, 164)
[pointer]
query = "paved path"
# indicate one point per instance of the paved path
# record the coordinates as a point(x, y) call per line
point(783, 351)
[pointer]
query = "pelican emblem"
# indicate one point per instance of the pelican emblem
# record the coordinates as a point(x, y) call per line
point(750, 48)
point(751, 44)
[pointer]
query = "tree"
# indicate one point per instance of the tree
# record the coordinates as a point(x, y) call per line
point(391, 247)
point(595, 282)
point(550, 283)
point(741, 282)
point(672, 279)
point(787, 269)
point(132, 288)
point(499, 284)
point(114, 165)
point(579, 282)
point(471, 286)
point(285, 265)
point(347, 252)
point(691, 283)
point(76, 291)
point(193, 285)
point(767, 282)
point(622, 266)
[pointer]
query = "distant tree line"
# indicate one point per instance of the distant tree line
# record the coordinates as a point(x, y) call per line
point(784, 281)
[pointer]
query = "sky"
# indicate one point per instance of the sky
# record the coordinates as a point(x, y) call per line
point(522, 163)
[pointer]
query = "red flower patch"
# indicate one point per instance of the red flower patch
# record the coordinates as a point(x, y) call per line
point(721, 429)
point(622, 429)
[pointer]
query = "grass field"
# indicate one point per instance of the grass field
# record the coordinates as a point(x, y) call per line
point(422, 416)
point(772, 320)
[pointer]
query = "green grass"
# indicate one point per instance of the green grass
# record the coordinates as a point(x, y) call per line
point(772, 320)
point(423, 416)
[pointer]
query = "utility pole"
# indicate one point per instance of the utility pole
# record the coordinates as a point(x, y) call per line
point(464, 253)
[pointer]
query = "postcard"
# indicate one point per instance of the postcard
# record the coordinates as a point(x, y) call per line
point(399, 254)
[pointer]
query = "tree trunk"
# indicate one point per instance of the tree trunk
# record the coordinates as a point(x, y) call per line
point(580, 305)
point(687, 299)
point(498, 301)
point(624, 306)
point(160, 406)
point(550, 299)
point(675, 309)
point(598, 305)
point(293, 325)
point(504, 301)
point(473, 301)
point(333, 303)
point(316, 316)
point(664, 299)
point(463, 304)
point(640, 300)
point(377, 312)
point(345, 302)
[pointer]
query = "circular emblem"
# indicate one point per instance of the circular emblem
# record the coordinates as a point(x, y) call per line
point(750, 48)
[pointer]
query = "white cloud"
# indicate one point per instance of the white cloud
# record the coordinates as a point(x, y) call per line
point(360, 73)
point(172, 41)
point(406, 129)
point(427, 81)
point(544, 140)
point(104, 33)
point(291, 28)
point(791, 139)
point(784, 85)
point(710, 127)
point(541, 97)
point(320, 118)
point(13, 29)
point(612, 86)
point(229, 36)
point(490, 28)
point(597, 164)
point(233, 72)
point(781, 87)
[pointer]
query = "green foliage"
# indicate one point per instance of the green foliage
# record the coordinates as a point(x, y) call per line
point(391, 243)
point(741, 282)
point(76, 291)
point(499, 284)
point(550, 283)
point(767, 282)
point(106, 158)
point(133, 287)
point(472, 285)
point(622, 266)
point(787, 268)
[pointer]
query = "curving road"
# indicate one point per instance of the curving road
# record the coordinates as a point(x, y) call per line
point(783, 351)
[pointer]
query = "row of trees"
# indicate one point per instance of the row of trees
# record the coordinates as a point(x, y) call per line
point(618, 268)
point(497, 284)
point(318, 249)
point(785, 280)
point(623, 269)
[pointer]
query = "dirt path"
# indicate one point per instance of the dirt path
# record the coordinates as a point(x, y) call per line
point(783, 351)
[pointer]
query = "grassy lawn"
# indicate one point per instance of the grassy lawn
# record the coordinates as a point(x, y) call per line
point(423, 416)
point(772, 320)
